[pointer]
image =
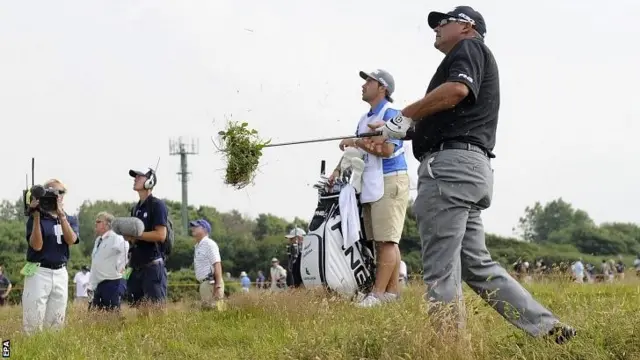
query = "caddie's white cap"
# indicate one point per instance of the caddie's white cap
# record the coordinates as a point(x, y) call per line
point(295, 232)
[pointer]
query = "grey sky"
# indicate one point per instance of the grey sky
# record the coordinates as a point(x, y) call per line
point(93, 88)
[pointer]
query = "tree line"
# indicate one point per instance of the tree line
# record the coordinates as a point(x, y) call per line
point(555, 232)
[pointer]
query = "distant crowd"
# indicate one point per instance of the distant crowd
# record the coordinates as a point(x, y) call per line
point(580, 272)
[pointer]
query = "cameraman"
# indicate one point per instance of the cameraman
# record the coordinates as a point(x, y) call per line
point(50, 232)
point(147, 282)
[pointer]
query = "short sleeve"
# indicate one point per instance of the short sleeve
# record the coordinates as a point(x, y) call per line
point(214, 253)
point(29, 227)
point(159, 214)
point(73, 221)
point(466, 65)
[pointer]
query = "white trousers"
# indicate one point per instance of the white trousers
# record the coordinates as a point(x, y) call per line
point(44, 299)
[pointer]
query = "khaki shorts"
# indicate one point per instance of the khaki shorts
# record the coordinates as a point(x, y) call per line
point(384, 219)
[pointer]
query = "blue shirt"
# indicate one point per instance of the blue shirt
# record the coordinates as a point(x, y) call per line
point(397, 163)
point(52, 252)
point(152, 212)
point(245, 281)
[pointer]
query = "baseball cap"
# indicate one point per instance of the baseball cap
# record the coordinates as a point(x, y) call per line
point(464, 13)
point(202, 223)
point(384, 78)
point(134, 173)
point(295, 232)
point(274, 260)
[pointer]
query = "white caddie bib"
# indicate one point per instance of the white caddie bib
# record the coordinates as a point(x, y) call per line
point(372, 176)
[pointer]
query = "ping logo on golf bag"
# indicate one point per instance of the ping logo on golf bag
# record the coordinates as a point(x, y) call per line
point(360, 272)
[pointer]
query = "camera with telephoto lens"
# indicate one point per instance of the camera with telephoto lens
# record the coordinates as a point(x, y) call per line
point(48, 199)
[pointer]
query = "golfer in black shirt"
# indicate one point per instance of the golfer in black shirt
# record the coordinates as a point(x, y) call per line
point(453, 133)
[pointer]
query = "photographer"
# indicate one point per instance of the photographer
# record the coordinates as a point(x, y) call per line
point(50, 232)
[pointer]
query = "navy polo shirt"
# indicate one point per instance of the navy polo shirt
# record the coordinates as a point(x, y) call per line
point(152, 212)
point(52, 252)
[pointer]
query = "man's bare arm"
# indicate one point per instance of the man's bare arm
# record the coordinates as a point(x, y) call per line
point(159, 234)
point(381, 150)
point(35, 240)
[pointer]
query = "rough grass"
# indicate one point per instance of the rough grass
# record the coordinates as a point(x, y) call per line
point(308, 325)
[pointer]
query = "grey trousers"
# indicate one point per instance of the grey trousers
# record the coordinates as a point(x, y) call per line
point(453, 187)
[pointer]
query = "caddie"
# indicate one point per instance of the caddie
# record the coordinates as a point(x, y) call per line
point(385, 186)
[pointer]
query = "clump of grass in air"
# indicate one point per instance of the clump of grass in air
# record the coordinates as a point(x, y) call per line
point(242, 149)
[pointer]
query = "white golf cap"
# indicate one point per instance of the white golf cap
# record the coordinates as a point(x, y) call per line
point(295, 232)
point(274, 260)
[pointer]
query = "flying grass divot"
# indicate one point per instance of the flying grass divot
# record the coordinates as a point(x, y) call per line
point(242, 149)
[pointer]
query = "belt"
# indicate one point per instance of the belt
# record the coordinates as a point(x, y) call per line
point(52, 266)
point(394, 173)
point(152, 262)
point(208, 278)
point(456, 145)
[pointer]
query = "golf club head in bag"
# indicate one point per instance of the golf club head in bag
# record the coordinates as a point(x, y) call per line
point(324, 262)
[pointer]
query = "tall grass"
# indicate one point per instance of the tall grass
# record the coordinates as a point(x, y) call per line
point(309, 325)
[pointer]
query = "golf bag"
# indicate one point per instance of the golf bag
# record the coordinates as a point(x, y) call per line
point(323, 260)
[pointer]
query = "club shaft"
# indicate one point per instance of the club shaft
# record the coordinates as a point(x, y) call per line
point(364, 135)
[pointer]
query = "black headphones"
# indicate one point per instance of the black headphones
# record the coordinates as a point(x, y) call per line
point(151, 181)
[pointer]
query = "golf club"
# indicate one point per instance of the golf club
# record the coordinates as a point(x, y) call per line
point(364, 135)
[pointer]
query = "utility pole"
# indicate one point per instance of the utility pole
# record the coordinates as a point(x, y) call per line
point(179, 147)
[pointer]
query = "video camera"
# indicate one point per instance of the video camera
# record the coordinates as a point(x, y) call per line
point(48, 197)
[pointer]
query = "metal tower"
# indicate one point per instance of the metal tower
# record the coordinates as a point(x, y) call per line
point(179, 147)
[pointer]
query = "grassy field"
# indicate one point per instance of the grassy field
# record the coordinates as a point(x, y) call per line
point(303, 325)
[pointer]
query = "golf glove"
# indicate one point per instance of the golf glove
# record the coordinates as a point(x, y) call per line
point(397, 127)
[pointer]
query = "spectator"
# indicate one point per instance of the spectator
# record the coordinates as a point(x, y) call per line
point(278, 276)
point(207, 263)
point(82, 284)
point(620, 268)
point(607, 271)
point(50, 231)
point(108, 260)
point(403, 276)
point(245, 282)
point(260, 281)
point(5, 287)
point(578, 271)
point(295, 237)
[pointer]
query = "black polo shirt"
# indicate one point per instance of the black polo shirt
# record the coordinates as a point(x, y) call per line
point(474, 120)
point(54, 251)
point(153, 212)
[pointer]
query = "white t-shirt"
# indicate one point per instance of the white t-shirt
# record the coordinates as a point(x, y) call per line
point(82, 283)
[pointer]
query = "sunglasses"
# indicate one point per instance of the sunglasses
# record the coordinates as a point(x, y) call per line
point(444, 22)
